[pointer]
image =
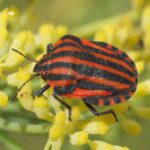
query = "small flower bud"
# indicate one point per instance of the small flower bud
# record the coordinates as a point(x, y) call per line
point(131, 127)
point(11, 79)
point(142, 112)
point(61, 30)
point(115, 147)
point(26, 100)
point(46, 32)
point(4, 18)
point(140, 66)
point(29, 45)
point(23, 41)
point(3, 99)
point(75, 113)
point(107, 119)
point(121, 108)
point(143, 88)
point(60, 118)
point(146, 39)
point(22, 76)
point(3, 37)
point(145, 18)
point(41, 109)
point(134, 54)
point(55, 132)
point(100, 36)
point(110, 32)
point(79, 138)
point(96, 127)
point(19, 41)
point(13, 59)
point(40, 102)
point(99, 145)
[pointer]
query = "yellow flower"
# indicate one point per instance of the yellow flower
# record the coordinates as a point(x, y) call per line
point(22, 76)
point(3, 99)
point(115, 147)
point(96, 127)
point(60, 118)
point(18, 78)
point(24, 96)
point(75, 113)
point(49, 34)
point(3, 18)
point(53, 102)
point(107, 119)
point(145, 18)
point(29, 46)
point(143, 88)
point(135, 55)
point(140, 66)
point(110, 32)
point(55, 132)
point(13, 59)
point(41, 109)
point(125, 33)
point(79, 138)
point(131, 127)
point(61, 30)
point(3, 37)
point(24, 42)
point(26, 100)
point(147, 39)
point(142, 111)
point(99, 145)
point(44, 37)
point(121, 108)
point(11, 79)
point(100, 36)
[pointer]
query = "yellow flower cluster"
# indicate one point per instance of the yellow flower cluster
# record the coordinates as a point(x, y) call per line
point(48, 34)
point(15, 71)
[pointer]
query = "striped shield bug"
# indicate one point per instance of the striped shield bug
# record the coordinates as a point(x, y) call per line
point(95, 72)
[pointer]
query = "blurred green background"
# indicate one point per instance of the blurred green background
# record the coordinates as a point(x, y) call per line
point(73, 13)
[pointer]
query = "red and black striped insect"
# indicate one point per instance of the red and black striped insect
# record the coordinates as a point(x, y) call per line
point(95, 72)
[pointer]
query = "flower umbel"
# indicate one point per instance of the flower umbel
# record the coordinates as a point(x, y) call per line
point(130, 32)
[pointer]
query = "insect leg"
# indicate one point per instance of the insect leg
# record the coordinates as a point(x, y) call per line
point(110, 111)
point(42, 90)
point(94, 111)
point(49, 48)
point(63, 103)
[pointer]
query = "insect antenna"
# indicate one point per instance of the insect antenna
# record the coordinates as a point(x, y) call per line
point(24, 85)
point(24, 55)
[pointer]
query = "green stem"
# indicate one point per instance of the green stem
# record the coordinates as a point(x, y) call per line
point(88, 29)
point(48, 144)
point(10, 143)
point(23, 127)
